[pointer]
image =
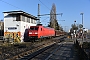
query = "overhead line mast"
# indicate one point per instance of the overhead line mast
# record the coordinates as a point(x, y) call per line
point(39, 13)
point(44, 14)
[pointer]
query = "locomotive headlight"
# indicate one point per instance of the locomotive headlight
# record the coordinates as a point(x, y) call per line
point(36, 33)
point(30, 32)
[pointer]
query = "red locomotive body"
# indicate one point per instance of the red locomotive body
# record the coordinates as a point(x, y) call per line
point(37, 32)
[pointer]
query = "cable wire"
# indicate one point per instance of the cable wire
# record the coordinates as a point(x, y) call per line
point(49, 8)
point(44, 5)
point(10, 4)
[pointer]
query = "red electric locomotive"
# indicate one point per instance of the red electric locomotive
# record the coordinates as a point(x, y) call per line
point(37, 32)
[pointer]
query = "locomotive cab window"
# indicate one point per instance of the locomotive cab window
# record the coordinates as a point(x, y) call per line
point(34, 28)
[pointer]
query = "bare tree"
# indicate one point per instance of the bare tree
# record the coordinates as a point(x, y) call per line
point(53, 16)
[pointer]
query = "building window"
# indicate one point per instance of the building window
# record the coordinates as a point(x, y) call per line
point(17, 17)
point(28, 20)
point(13, 16)
point(31, 20)
point(35, 21)
point(23, 18)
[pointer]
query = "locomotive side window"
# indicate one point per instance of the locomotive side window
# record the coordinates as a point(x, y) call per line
point(41, 29)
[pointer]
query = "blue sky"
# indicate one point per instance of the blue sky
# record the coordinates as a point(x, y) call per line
point(71, 10)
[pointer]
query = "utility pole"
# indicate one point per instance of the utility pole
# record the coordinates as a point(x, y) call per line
point(38, 14)
point(82, 17)
point(52, 14)
point(82, 27)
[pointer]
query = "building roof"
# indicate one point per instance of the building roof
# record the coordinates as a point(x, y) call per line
point(23, 13)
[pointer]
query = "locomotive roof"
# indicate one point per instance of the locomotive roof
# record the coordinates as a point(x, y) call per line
point(44, 27)
point(48, 27)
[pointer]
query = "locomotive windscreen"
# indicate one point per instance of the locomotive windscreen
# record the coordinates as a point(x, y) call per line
point(33, 28)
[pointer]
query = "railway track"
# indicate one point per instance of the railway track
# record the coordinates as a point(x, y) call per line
point(31, 56)
point(30, 51)
point(44, 53)
point(18, 51)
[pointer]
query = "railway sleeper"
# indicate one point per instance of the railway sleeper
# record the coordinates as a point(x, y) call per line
point(36, 53)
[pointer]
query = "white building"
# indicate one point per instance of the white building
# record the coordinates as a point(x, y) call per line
point(15, 22)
